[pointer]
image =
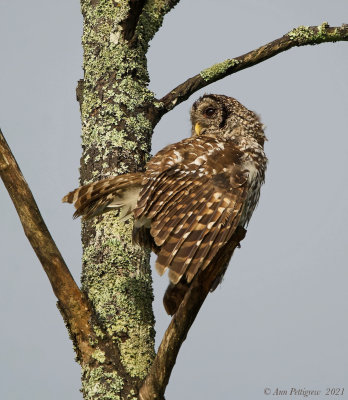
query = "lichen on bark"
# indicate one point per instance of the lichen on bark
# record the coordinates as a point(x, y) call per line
point(116, 137)
point(99, 384)
point(116, 285)
point(305, 34)
point(217, 70)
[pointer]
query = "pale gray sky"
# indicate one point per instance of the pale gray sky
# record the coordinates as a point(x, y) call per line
point(280, 317)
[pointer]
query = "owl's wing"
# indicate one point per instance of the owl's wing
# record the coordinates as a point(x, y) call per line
point(194, 205)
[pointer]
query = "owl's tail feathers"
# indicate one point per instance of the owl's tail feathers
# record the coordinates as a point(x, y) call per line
point(174, 295)
point(120, 192)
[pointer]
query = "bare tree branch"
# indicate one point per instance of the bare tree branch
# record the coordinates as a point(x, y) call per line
point(156, 381)
point(301, 36)
point(72, 302)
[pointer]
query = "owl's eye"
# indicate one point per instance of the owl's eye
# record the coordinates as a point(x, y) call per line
point(209, 112)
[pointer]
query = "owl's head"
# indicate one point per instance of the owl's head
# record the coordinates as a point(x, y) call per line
point(215, 114)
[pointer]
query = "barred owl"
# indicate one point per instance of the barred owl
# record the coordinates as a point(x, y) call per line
point(193, 194)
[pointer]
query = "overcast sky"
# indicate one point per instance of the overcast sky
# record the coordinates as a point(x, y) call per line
point(279, 320)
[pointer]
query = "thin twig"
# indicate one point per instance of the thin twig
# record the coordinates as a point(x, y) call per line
point(301, 36)
point(156, 381)
point(72, 302)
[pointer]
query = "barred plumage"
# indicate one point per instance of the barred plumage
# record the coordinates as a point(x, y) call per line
point(193, 194)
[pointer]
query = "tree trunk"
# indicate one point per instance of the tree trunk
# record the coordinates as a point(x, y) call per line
point(117, 126)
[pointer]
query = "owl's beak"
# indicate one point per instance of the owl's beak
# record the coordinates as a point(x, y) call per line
point(198, 128)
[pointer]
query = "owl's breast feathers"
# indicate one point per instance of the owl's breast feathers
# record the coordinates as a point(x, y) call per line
point(194, 195)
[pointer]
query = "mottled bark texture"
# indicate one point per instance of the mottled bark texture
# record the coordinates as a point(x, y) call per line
point(118, 116)
point(111, 321)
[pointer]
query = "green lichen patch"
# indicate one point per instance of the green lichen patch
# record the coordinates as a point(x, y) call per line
point(115, 127)
point(98, 384)
point(302, 34)
point(217, 70)
point(120, 289)
point(99, 355)
point(322, 30)
point(307, 35)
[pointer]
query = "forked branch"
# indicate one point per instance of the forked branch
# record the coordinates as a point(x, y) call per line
point(72, 302)
point(156, 381)
point(301, 36)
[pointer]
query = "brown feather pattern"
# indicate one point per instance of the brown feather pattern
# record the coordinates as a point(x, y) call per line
point(193, 194)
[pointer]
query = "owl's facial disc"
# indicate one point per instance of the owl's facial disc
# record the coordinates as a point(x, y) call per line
point(207, 113)
point(219, 115)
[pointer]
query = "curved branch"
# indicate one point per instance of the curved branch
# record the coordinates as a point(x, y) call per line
point(158, 377)
point(301, 36)
point(72, 302)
